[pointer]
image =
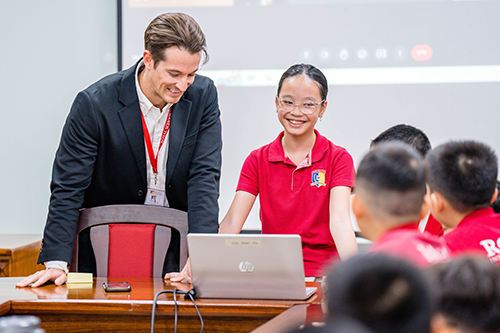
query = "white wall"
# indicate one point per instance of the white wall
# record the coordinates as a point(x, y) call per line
point(49, 51)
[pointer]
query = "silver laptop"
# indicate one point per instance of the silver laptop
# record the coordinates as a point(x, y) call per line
point(248, 266)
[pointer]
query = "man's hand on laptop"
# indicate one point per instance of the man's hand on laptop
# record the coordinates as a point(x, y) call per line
point(58, 276)
point(184, 276)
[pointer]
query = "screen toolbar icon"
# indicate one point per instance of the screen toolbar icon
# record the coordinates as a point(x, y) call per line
point(421, 52)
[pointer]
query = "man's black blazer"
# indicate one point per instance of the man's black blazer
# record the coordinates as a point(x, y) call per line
point(101, 159)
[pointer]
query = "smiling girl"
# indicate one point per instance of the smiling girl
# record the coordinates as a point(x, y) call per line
point(303, 179)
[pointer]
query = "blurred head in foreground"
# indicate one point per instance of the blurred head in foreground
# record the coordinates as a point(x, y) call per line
point(384, 294)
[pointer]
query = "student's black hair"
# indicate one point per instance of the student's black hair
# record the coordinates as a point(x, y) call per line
point(407, 134)
point(496, 204)
point(312, 72)
point(385, 294)
point(466, 292)
point(464, 172)
point(391, 179)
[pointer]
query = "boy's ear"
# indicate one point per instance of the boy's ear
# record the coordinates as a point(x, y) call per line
point(358, 207)
point(495, 196)
point(437, 201)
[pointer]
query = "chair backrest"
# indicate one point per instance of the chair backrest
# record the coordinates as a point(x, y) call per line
point(153, 222)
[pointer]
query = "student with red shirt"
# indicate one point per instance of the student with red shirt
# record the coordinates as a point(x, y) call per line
point(389, 202)
point(304, 181)
point(496, 204)
point(462, 185)
point(418, 140)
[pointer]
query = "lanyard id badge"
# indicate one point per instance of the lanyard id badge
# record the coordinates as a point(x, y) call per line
point(155, 195)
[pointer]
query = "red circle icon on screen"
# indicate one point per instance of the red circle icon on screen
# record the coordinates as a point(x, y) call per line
point(421, 52)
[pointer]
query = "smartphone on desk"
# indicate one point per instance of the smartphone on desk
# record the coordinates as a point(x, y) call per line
point(116, 286)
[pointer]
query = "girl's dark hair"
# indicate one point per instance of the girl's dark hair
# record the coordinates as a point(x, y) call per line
point(312, 72)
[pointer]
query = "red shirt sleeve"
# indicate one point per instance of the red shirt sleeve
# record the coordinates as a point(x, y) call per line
point(249, 176)
point(343, 172)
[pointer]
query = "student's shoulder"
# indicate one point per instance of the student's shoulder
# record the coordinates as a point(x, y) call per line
point(272, 150)
point(258, 156)
point(396, 237)
point(466, 236)
point(420, 249)
point(458, 236)
point(326, 144)
point(478, 221)
point(433, 247)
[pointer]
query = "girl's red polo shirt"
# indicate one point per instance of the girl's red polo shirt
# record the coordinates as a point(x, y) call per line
point(295, 199)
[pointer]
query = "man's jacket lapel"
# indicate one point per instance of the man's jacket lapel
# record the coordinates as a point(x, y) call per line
point(130, 116)
point(178, 126)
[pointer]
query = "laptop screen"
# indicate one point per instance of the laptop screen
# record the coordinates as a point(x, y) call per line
point(247, 266)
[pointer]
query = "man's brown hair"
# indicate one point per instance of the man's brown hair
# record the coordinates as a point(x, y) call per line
point(174, 29)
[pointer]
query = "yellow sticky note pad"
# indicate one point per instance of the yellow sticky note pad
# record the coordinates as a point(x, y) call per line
point(79, 278)
point(80, 286)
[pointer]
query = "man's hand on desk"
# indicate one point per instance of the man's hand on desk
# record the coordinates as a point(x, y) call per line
point(58, 292)
point(184, 276)
point(58, 276)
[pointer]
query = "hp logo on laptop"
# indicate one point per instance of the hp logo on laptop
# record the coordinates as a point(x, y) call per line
point(246, 267)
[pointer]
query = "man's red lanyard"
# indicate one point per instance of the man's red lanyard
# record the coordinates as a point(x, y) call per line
point(152, 158)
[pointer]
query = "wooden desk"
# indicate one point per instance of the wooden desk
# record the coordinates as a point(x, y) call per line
point(19, 254)
point(83, 309)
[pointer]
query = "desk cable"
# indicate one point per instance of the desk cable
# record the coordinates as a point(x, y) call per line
point(187, 294)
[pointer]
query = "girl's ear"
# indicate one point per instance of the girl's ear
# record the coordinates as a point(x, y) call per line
point(277, 103)
point(323, 109)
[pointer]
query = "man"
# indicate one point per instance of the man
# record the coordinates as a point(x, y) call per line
point(109, 155)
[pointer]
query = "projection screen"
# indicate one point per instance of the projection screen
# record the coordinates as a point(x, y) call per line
point(429, 63)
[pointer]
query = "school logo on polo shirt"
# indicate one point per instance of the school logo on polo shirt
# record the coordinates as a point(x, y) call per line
point(318, 178)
